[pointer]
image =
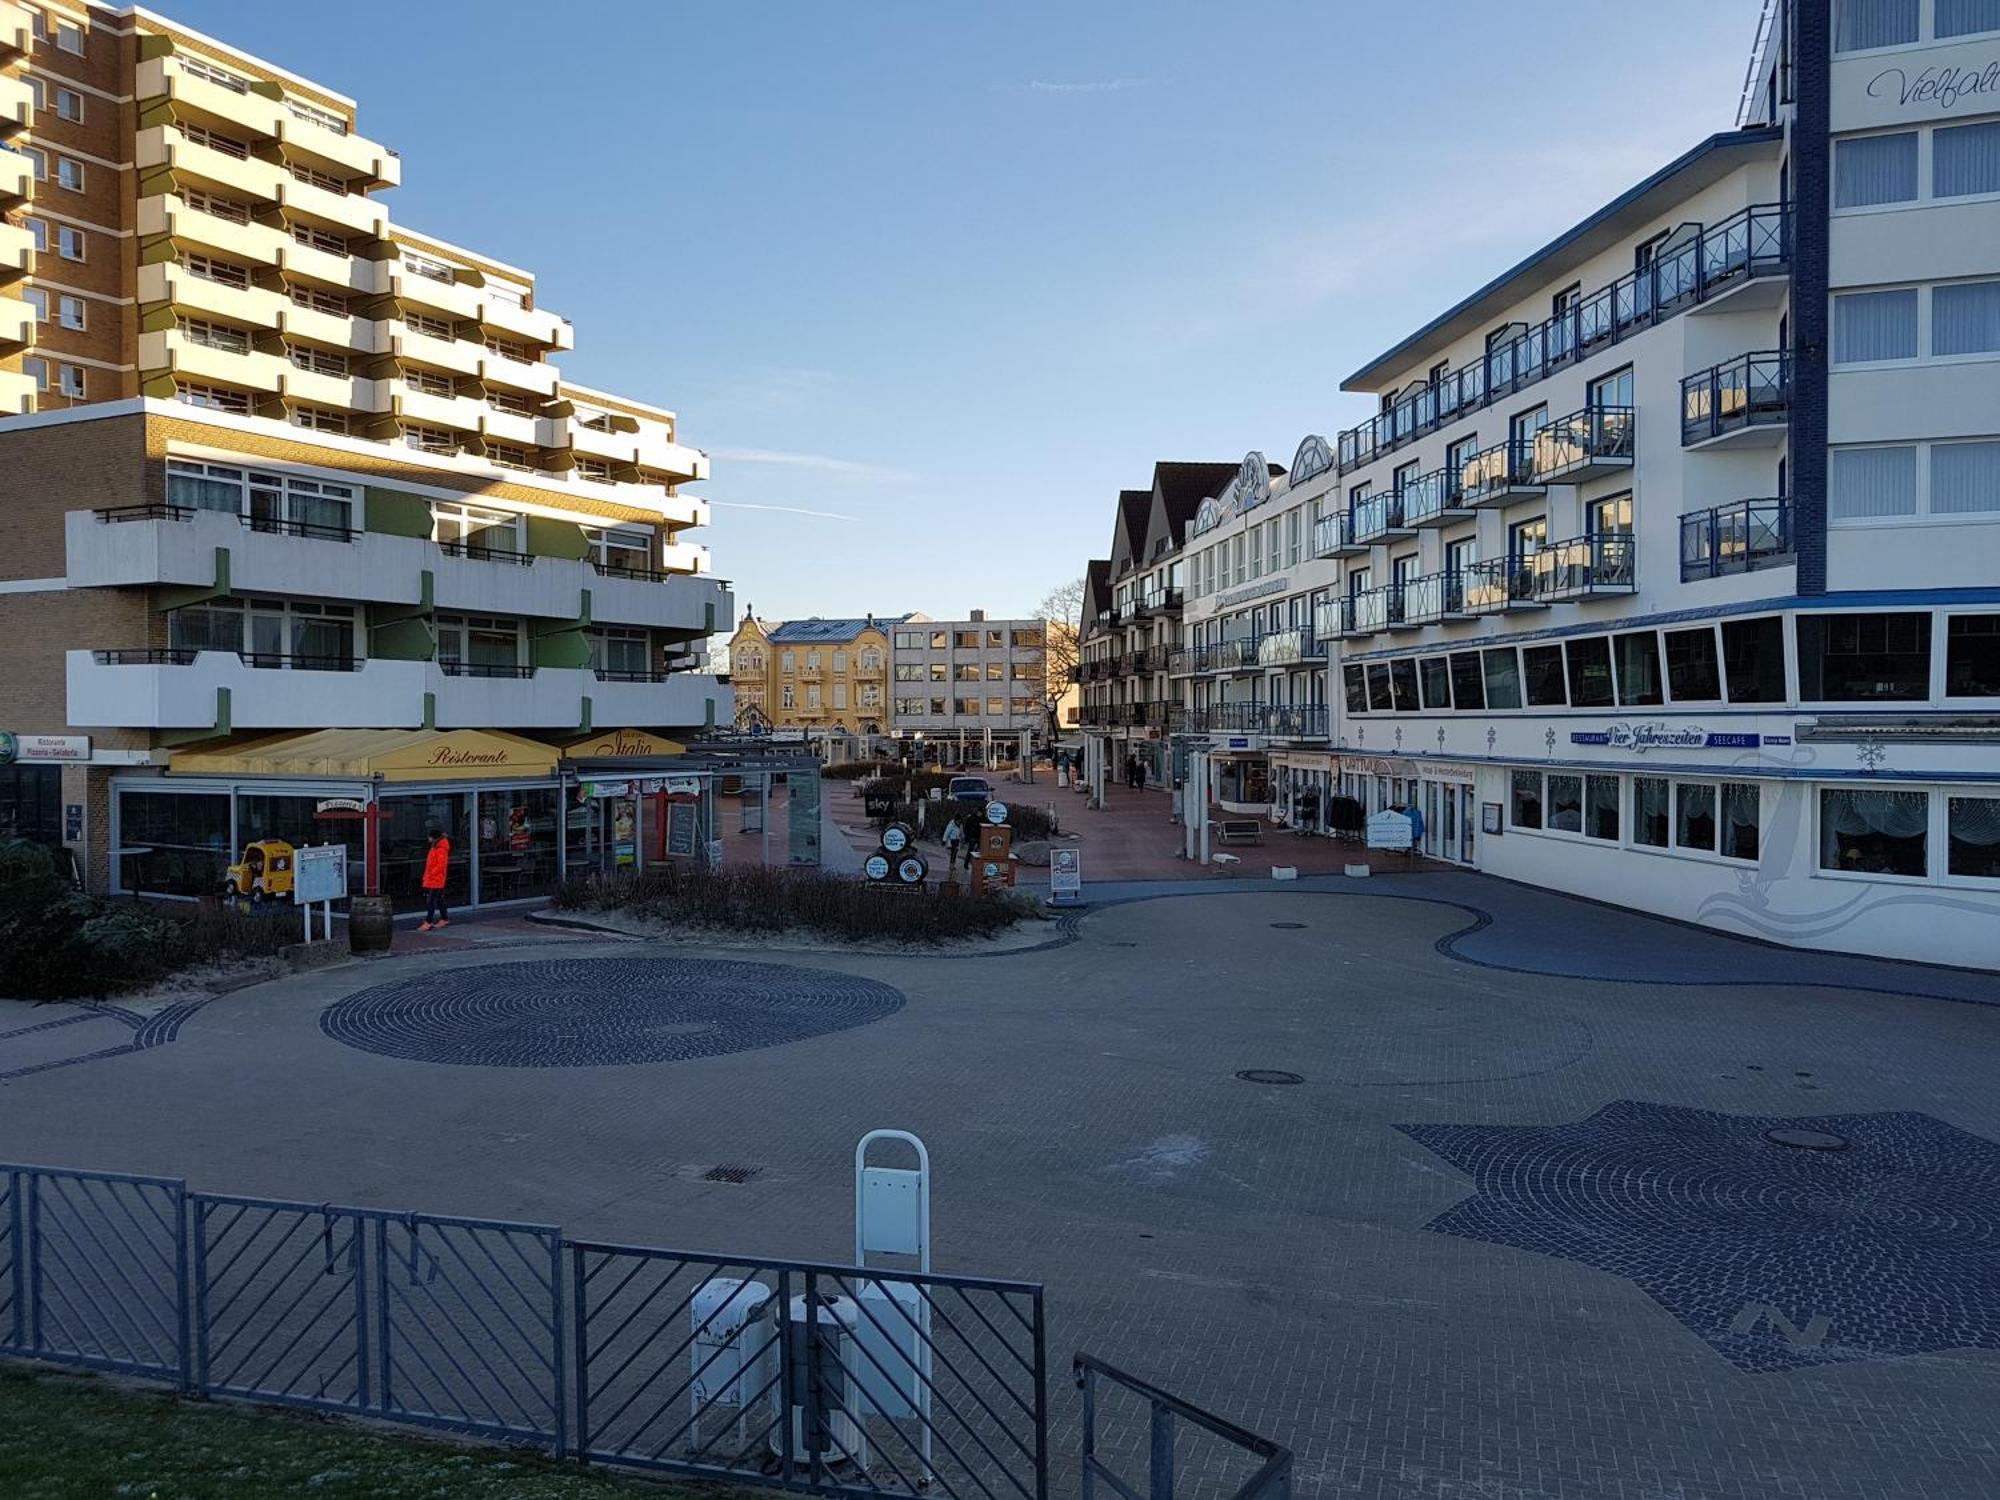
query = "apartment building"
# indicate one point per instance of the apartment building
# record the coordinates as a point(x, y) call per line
point(958, 681)
point(828, 675)
point(295, 501)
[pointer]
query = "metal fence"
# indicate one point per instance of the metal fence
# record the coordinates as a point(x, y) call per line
point(1182, 1441)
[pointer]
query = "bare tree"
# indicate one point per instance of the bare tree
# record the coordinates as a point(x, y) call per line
point(1062, 612)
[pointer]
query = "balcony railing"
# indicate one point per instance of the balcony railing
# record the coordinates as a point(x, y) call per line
point(1586, 444)
point(1736, 538)
point(317, 530)
point(484, 669)
point(642, 575)
point(184, 656)
point(1375, 609)
point(1752, 390)
point(636, 674)
point(1499, 584)
point(1435, 597)
point(146, 656)
point(1586, 566)
point(112, 514)
point(1753, 242)
point(1333, 535)
point(1279, 720)
point(480, 552)
point(1377, 517)
point(1281, 648)
point(1504, 472)
point(1157, 601)
point(281, 661)
point(1433, 499)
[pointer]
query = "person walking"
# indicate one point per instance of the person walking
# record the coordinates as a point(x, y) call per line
point(437, 865)
point(953, 836)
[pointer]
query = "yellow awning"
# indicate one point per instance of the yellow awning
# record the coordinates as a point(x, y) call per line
point(621, 744)
point(358, 754)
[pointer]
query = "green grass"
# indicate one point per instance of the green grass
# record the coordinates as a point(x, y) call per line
point(68, 1437)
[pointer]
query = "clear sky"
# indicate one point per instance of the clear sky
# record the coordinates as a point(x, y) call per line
point(931, 280)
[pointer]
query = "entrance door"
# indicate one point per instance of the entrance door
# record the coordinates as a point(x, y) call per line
point(1468, 812)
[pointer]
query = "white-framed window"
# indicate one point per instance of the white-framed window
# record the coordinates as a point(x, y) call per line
point(319, 361)
point(320, 239)
point(428, 326)
point(38, 22)
point(268, 499)
point(69, 242)
point(509, 456)
point(476, 644)
point(476, 526)
point(271, 633)
point(213, 397)
point(319, 419)
point(333, 304)
point(597, 469)
point(430, 383)
point(37, 96)
point(1859, 25)
point(221, 272)
point(325, 181)
point(1965, 318)
point(520, 354)
point(38, 161)
point(69, 38)
point(787, 662)
point(37, 370)
point(1875, 327)
point(512, 403)
point(201, 67)
point(38, 301)
point(426, 267)
point(1889, 482)
point(627, 547)
point(212, 335)
point(38, 234)
point(840, 695)
point(788, 696)
point(429, 439)
point(69, 106)
point(234, 211)
point(1964, 17)
point(69, 173)
point(70, 313)
point(620, 651)
point(1965, 159)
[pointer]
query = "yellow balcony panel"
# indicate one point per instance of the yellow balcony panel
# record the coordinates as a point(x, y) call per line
point(535, 378)
point(17, 393)
point(510, 427)
point(455, 356)
point(16, 34)
point(531, 325)
point(355, 157)
point(205, 167)
point(17, 177)
point(192, 229)
point(243, 112)
point(323, 268)
point(361, 335)
point(344, 213)
point(17, 323)
point(458, 413)
point(171, 351)
point(342, 392)
point(453, 299)
point(17, 249)
point(197, 296)
point(17, 104)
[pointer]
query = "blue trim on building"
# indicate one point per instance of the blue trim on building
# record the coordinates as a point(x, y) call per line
point(1723, 141)
point(1811, 175)
point(1731, 770)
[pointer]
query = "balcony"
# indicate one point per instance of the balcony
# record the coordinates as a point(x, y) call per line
point(1290, 648)
point(360, 335)
point(453, 356)
point(1740, 537)
point(180, 689)
point(17, 250)
point(532, 377)
point(170, 350)
point(422, 409)
point(477, 696)
point(340, 153)
point(326, 268)
point(1725, 261)
point(1379, 518)
point(515, 427)
point(1586, 567)
point(678, 700)
point(1435, 599)
point(1501, 585)
point(1371, 611)
point(354, 393)
point(1157, 601)
point(660, 454)
point(241, 111)
point(167, 216)
point(1333, 536)
point(1295, 721)
point(1500, 475)
point(163, 281)
point(17, 104)
point(16, 34)
point(17, 393)
point(210, 168)
point(17, 323)
point(1587, 444)
point(133, 545)
point(531, 325)
point(354, 214)
point(1745, 402)
point(458, 300)
point(17, 176)
point(1433, 499)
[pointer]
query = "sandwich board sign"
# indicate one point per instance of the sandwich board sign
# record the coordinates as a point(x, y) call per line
point(1065, 876)
point(1389, 830)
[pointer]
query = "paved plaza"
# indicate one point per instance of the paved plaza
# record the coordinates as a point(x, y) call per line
point(1519, 1229)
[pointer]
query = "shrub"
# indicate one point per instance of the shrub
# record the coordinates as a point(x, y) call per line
point(857, 770)
point(38, 913)
point(1027, 821)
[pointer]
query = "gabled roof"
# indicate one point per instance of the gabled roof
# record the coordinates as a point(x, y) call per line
point(1128, 537)
point(1187, 485)
point(1096, 590)
point(817, 629)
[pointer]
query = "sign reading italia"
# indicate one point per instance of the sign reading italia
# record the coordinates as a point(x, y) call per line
point(1659, 735)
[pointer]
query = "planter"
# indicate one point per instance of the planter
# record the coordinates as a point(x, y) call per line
point(371, 924)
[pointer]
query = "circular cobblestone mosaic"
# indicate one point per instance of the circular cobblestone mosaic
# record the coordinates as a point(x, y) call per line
point(602, 1012)
point(1779, 1258)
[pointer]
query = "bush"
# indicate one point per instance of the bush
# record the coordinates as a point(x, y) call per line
point(857, 770)
point(761, 898)
point(39, 911)
point(1027, 821)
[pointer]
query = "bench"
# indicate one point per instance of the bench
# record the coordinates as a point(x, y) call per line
point(1239, 831)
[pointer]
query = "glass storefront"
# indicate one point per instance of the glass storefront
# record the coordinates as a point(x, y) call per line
point(173, 843)
point(518, 850)
point(31, 803)
point(405, 846)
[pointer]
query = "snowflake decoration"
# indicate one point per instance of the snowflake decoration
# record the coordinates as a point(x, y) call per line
point(1440, 739)
point(1871, 752)
point(1399, 736)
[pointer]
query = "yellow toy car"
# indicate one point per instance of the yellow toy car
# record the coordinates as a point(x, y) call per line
point(263, 874)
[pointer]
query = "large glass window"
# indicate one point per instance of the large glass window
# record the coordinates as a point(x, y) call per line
point(1542, 671)
point(1874, 832)
point(1972, 837)
point(1435, 680)
point(1601, 807)
point(172, 843)
point(1964, 17)
point(1694, 815)
point(1972, 656)
point(1864, 658)
point(1403, 684)
point(405, 847)
point(1965, 159)
point(478, 645)
point(1639, 669)
point(1965, 478)
point(1741, 804)
point(1503, 678)
point(1859, 24)
point(1525, 809)
point(1590, 673)
point(1872, 326)
point(1753, 659)
point(1868, 483)
point(1694, 675)
point(1355, 685)
point(518, 834)
point(1871, 169)
point(1379, 698)
point(1565, 803)
point(1467, 691)
point(1650, 797)
point(1965, 316)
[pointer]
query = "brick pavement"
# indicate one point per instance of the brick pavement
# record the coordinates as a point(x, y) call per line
point(1266, 1251)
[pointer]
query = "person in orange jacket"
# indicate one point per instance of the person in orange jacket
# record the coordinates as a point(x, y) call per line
point(437, 862)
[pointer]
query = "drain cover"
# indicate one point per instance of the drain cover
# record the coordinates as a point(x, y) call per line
point(1269, 1075)
point(1806, 1140)
point(1289, 926)
point(730, 1174)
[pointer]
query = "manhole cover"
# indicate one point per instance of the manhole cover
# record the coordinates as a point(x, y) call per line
point(1269, 1075)
point(730, 1174)
point(1289, 926)
point(1806, 1140)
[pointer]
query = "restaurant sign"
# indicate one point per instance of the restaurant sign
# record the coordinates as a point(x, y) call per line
point(1660, 735)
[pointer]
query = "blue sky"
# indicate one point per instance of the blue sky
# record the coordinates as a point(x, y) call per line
point(931, 281)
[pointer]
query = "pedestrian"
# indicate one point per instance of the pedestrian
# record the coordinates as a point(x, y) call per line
point(953, 836)
point(437, 863)
point(969, 838)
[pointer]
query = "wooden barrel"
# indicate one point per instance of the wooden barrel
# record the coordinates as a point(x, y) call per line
point(370, 924)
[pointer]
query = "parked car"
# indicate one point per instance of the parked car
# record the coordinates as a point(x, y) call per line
point(976, 790)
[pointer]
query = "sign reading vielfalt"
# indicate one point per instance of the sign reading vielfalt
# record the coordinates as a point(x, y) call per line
point(43, 747)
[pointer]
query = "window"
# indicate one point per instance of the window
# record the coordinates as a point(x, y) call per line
point(1874, 169)
point(39, 20)
point(38, 233)
point(1741, 817)
point(1874, 832)
point(213, 398)
point(940, 672)
point(1466, 690)
point(1753, 659)
point(70, 313)
point(1972, 656)
point(1965, 478)
point(520, 354)
point(1542, 669)
point(201, 67)
point(69, 174)
point(424, 266)
point(1354, 687)
point(1590, 673)
point(312, 114)
point(69, 37)
point(966, 671)
point(1860, 24)
point(1526, 538)
point(38, 162)
point(72, 382)
point(1963, 17)
point(1865, 484)
point(429, 440)
point(1694, 816)
point(1638, 669)
point(1435, 680)
point(69, 242)
point(509, 456)
point(1565, 803)
point(966, 706)
point(37, 370)
point(812, 695)
point(428, 326)
point(428, 383)
point(1873, 326)
point(1503, 678)
point(319, 361)
point(223, 208)
point(1525, 809)
point(996, 640)
point(1403, 685)
point(1601, 807)
point(201, 135)
point(326, 182)
point(1294, 535)
point(996, 708)
point(222, 272)
point(1378, 687)
point(1972, 837)
point(1965, 317)
point(1864, 658)
point(333, 304)
point(476, 527)
point(69, 106)
point(319, 419)
point(38, 302)
point(319, 239)
point(1693, 673)
point(1965, 159)
point(1614, 389)
point(788, 696)
point(996, 671)
point(1650, 796)
point(620, 652)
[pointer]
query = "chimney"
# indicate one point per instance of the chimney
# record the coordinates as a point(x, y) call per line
point(979, 617)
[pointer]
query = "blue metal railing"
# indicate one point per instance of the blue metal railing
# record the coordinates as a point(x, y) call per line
point(1272, 1479)
point(1596, 436)
point(1736, 538)
point(1498, 470)
point(1753, 242)
point(1751, 390)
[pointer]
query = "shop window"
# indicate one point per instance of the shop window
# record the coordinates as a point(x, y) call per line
point(1874, 832)
point(1753, 659)
point(1972, 837)
point(1638, 669)
point(31, 803)
point(1403, 684)
point(1542, 669)
point(1379, 698)
point(1354, 684)
point(518, 834)
point(1864, 657)
point(1565, 803)
point(295, 820)
point(404, 847)
point(1503, 678)
point(1434, 675)
point(1694, 675)
point(172, 843)
point(1467, 689)
point(1694, 816)
point(1972, 656)
point(1650, 796)
point(1741, 819)
point(1590, 673)
point(1525, 810)
point(1601, 807)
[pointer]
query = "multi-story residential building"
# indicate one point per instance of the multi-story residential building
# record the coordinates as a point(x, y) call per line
point(294, 500)
point(1668, 570)
point(1132, 660)
point(830, 676)
point(959, 681)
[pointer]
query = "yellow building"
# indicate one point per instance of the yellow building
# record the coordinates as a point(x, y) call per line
point(831, 675)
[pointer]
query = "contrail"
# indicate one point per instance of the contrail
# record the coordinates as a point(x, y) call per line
point(790, 510)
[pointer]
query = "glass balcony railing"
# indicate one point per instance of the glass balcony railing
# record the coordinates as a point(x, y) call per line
point(1333, 535)
point(1752, 390)
point(1756, 241)
point(1281, 648)
point(1432, 499)
point(1499, 584)
point(1736, 538)
point(1498, 473)
point(1434, 597)
point(1278, 720)
point(1585, 444)
point(1379, 516)
point(1585, 566)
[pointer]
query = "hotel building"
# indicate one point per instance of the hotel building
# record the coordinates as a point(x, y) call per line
point(830, 676)
point(294, 499)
